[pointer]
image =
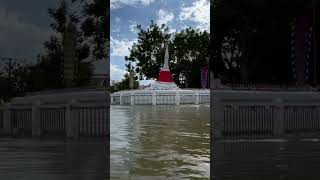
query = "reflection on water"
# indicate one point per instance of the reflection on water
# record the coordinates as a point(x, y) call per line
point(266, 159)
point(24, 159)
point(159, 142)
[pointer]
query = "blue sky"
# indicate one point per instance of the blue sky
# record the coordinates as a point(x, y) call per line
point(126, 14)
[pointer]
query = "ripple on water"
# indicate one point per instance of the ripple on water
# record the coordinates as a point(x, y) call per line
point(160, 142)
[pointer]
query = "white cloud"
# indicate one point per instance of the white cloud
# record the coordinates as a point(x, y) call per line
point(133, 26)
point(117, 19)
point(115, 4)
point(17, 36)
point(164, 17)
point(116, 73)
point(115, 27)
point(120, 47)
point(198, 12)
point(172, 30)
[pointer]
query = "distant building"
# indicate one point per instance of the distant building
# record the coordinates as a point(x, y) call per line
point(100, 76)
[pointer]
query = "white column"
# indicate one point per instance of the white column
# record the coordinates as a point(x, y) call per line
point(71, 122)
point(197, 98)
point(36, 129)
point(121, 100)
point(217, 113)
point(278, 128)
point(154, 98)
point(177, 98)
point(132, 99)
point(7, 119)
point(111, 99)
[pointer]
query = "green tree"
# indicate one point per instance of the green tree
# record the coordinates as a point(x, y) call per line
point(96, 27)
point(4, 87)
point(124, 84)
point(54, 48)
point(256, 37)
point(191, 53)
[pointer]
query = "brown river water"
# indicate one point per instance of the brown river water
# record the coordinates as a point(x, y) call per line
point(160, 142)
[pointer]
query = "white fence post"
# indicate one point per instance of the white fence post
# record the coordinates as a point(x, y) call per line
point(71, 122)
point(132, 99)
point(217, 113)
point(197, 98)
point(36, 129)
point(7, 119)
point(278, 128)
point(154, 98)
point(121, 99)
point(177, 98)
point(111, 99)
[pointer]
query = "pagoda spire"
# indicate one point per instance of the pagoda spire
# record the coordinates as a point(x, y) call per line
point(166, 60)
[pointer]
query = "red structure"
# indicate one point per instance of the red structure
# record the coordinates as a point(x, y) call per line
point(165, 80)
point(165, 76)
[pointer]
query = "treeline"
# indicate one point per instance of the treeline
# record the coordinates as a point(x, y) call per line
point(92, 36)
point(252, 40)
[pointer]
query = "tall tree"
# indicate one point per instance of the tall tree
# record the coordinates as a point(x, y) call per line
point(95, 26)
point(259, 29)
point(61, 16)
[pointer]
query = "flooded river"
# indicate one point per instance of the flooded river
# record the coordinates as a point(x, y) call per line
point(30, 159)
point(277, 159)
point(160, 142)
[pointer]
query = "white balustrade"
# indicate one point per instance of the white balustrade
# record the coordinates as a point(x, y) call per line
point(264, 113)
point(159, 97)
point(54, 114)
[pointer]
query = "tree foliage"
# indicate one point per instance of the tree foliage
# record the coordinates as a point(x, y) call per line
point(124, 84)
point(251, 39)
point(96, 27)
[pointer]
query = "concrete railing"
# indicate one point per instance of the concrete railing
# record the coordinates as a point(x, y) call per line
point(160, 97)
point(268, 87)
point(66, 115)
point(264, 114)
point(72, 120)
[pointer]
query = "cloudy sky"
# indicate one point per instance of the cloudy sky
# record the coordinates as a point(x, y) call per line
point(126, 14)
point(24, 27)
